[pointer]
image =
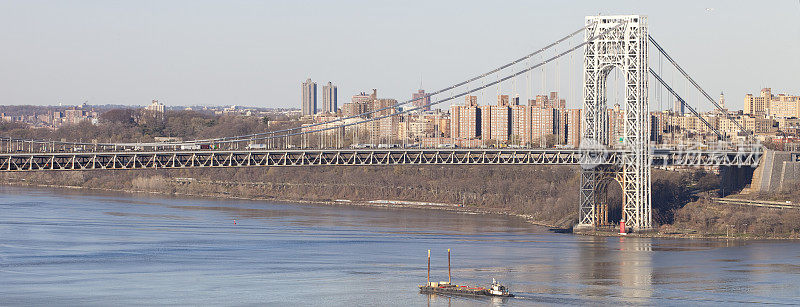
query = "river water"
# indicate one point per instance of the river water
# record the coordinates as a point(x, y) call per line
point(62, 247)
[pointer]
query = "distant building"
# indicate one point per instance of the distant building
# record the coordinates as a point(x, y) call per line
point(386, 128)
point(485, 122)
point(784, 106)
point(361, 98)
point(721, 102)
point(759, 125)
point(551, 101)
point(423, 102)
point(769, 105)
point(156, 107)
point(616, 125)
point(465, 121)
point(385, 105)
point(758, 105)
point(358, 104)
point(496, 120)
point(544, 122)
point(309, 97)
point(521, 124)
point(329, 98)
point(75, 115)
point(679, 108)
point(572, 125)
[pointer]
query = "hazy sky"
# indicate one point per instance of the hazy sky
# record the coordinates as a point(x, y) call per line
point(258, 52)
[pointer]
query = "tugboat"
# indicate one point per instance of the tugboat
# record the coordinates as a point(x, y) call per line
point(496, 289)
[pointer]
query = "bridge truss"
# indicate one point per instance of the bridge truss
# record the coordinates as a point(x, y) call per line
point(22, 162)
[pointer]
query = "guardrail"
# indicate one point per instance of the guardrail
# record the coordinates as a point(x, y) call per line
point(757, 203)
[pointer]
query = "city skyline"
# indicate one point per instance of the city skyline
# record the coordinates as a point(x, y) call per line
point(62, 52)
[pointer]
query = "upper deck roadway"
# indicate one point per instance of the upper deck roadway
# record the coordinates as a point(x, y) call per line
point(356, 157)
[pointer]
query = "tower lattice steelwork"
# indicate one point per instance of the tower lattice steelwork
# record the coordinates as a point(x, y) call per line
point(624, 47)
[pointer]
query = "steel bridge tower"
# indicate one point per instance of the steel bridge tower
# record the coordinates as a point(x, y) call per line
point(622, 44)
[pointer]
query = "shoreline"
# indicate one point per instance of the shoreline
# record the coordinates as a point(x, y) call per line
point(421, 205)
point(339, 202)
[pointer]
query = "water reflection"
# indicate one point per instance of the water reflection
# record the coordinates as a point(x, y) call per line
point(447, 300)
point(616, 267)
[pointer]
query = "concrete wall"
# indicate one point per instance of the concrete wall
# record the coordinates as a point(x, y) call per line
point(734, 179)
point(777, 171)
point(790, 175)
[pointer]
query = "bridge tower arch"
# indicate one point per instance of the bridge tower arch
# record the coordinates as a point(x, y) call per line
point(622, 44)
point(604, 201)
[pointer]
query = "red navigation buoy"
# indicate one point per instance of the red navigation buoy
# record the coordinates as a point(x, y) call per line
point(234, 222)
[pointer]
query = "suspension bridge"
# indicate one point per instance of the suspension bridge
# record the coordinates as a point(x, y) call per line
point(618, 44)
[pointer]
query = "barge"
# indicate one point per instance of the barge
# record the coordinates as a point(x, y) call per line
point(447, 288)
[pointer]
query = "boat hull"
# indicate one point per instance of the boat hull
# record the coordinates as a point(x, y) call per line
point(464, 291)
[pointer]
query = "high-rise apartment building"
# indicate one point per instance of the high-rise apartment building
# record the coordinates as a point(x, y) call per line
point(496, 120)
point(424, 100)
point(455, 123)
point(485, 122)
point(465, 121)
point(521, 124)
point(544, 122)
point(309, 97)
point(329, 98)
point(572, 123)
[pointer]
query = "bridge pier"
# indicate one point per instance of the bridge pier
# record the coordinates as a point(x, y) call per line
point(734, 179)
point(622, 44)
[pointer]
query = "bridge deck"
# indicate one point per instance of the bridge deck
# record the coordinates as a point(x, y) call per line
point(354, 157)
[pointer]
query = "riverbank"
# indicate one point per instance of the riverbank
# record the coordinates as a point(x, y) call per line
point(542, 196)
point(436, 206)
point(339, 202)
point(502, 190)
point(685, 234)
